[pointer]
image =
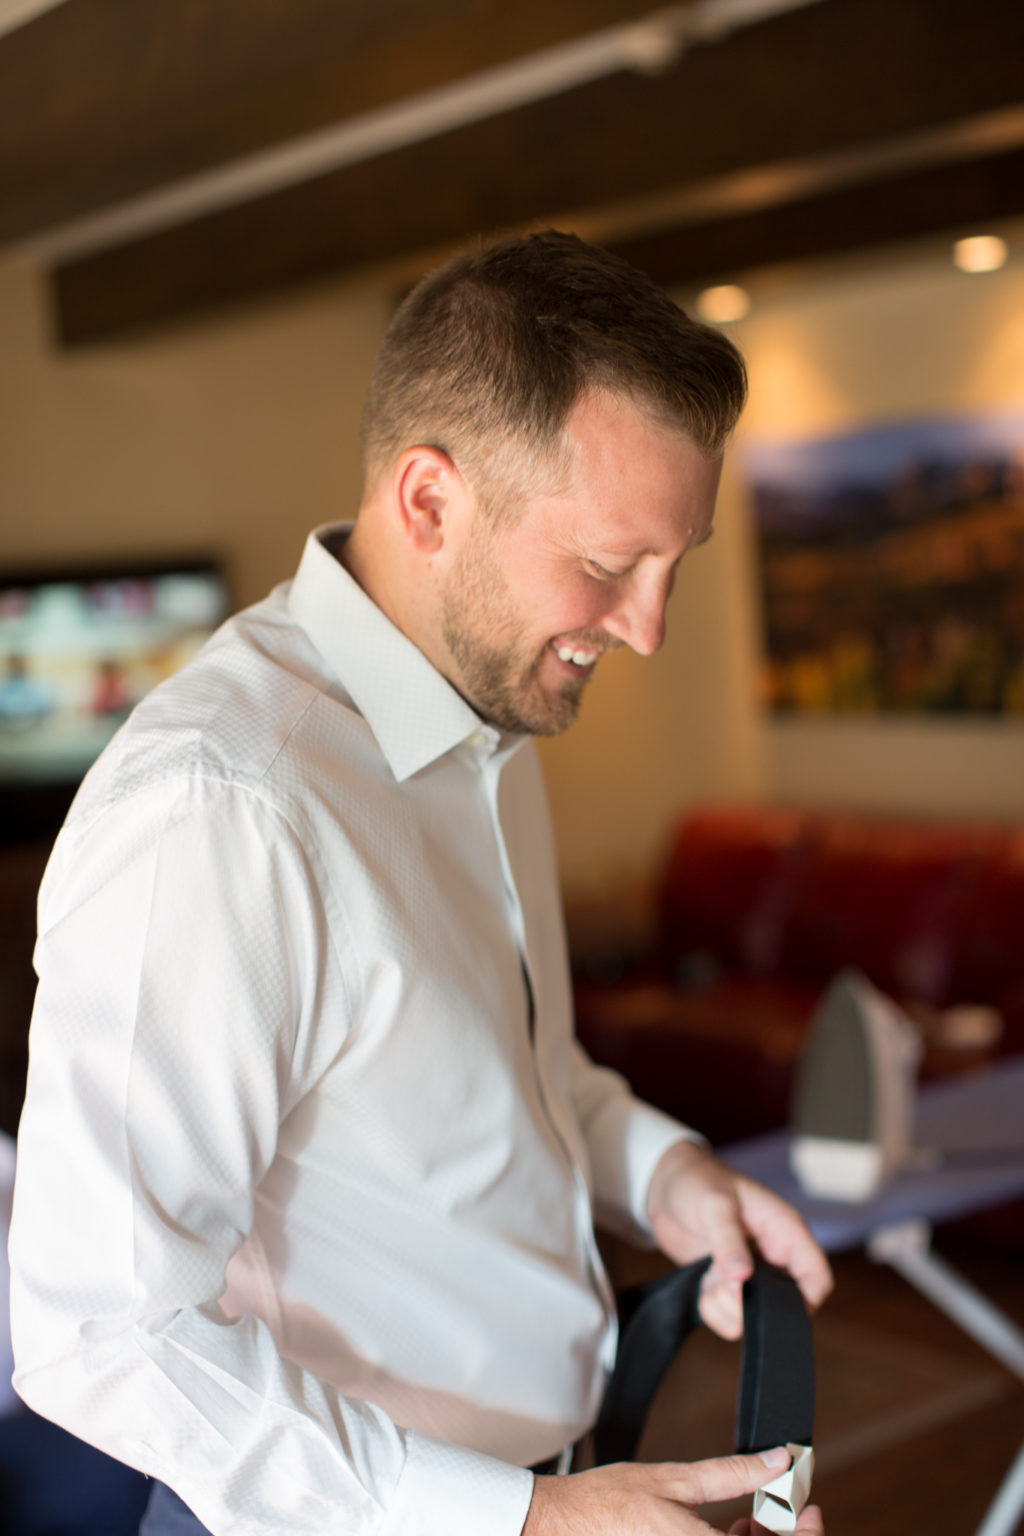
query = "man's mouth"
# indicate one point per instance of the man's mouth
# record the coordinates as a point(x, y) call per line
point(578, 655)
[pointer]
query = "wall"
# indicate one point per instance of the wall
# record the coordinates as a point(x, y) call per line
point(236, 435)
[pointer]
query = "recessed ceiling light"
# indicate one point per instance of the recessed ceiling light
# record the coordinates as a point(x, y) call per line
point(724, 303)
point(980, 253)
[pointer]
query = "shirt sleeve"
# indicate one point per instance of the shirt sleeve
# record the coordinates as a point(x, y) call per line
point(184, 962)
point(626, 1140)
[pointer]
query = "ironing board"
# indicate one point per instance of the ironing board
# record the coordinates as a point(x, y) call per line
point(974, 1119)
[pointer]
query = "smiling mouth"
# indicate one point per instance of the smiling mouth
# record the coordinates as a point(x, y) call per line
point(579, 656)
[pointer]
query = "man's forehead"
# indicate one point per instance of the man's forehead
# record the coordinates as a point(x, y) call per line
point(612, 406)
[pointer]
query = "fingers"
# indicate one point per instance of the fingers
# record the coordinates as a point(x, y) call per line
point(724, 1477)
point(721, 1296)
point(723, 1224)
point(785, 1239)
point(721, 1304)
point(813, 1274)
point(809, 1524)
point(697, 1204)
point(656, 1498)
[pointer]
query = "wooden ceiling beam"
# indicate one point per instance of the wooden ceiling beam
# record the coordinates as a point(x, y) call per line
point(771, 95)
point(948, 199)
point(103, 100)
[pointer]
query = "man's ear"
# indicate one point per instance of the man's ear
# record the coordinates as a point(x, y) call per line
point(426, 487)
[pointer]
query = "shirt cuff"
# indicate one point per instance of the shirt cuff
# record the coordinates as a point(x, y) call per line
point(623, 1164)
point(446, 1490)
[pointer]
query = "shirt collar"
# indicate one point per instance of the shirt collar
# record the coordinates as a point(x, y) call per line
point(414, 713)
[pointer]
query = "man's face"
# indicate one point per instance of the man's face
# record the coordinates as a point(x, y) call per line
point(532, 602)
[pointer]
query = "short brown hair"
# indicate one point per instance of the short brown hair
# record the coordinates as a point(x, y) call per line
point(491, 352)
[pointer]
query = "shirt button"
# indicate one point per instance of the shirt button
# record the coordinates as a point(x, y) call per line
point(483, 739)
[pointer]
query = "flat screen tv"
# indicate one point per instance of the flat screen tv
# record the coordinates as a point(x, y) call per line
point(79, 648)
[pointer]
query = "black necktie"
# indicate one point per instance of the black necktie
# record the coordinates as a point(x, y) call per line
point(775, 1405)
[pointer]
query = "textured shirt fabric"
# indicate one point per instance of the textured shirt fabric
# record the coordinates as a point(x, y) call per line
point(303, 1209)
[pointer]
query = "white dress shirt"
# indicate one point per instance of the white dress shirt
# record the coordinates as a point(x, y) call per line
point(302, 1220)
point(8, 1398)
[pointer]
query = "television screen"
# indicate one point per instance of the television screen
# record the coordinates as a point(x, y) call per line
point(79, 649)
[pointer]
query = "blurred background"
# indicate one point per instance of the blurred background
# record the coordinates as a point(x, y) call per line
point(208, 211)
point(205, 231)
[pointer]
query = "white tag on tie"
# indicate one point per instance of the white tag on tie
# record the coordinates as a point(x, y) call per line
point(777, 1504)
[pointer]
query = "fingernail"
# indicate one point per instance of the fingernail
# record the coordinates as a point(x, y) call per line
point(778, 1456)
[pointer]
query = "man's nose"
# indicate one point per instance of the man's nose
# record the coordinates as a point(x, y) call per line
point(639, 618)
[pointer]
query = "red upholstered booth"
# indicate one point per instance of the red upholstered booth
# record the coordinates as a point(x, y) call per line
point(758, 908)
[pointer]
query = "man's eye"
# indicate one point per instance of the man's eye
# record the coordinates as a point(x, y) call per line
point(601, 572)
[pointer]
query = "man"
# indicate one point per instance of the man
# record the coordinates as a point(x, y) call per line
point(309, 1161)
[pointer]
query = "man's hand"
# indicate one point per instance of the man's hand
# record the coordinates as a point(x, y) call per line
point(698, 1205)
point(809, 1523)
point(656, 1499)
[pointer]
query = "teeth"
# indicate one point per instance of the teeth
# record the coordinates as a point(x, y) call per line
point(580, 658)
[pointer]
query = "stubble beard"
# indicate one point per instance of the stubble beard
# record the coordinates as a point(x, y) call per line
point(494, 674)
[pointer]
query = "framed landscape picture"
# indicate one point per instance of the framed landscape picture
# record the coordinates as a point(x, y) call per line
point(892, 568)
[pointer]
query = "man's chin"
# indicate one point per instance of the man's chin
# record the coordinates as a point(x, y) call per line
point(530, 709)
point(557, 714)
point(549, 721)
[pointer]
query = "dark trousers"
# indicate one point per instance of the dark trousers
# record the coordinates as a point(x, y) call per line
point(166, 1515)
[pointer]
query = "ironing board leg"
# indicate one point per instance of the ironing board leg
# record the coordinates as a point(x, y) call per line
point(905, 1247)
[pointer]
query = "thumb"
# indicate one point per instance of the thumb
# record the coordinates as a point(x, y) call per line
point(727, 1477)
point(721, 1293)
point(730, 1253)
point(809, 1524)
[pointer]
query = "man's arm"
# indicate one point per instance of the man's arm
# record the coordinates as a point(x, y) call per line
point(184, 1009)
point(625, 1141)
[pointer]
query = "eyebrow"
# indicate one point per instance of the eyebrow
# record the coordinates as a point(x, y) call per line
point(634, 555)
point(695, 545)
